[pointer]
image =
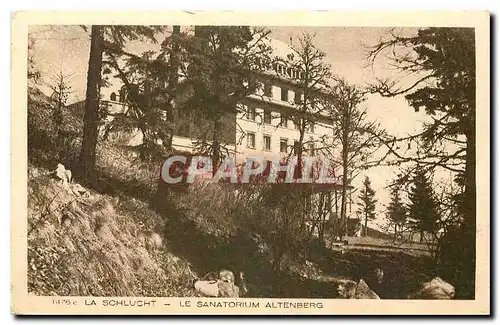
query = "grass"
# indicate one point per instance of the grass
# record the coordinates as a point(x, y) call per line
point(98, 246)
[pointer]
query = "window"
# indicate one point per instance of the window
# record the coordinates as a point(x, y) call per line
point(251, 140)
point(296, 125)
point(284, 120)
point(311, 149)
point(284, 94)
point(289, 72)
point(298, 98)
point(268, 91)
point(283, 145)
point(251, 113)
point(122, 95)
point(296, 147)
point(113, 97)
point(267, 117)
point(267, 143)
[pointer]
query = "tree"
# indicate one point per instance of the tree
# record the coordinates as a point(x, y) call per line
point(61, 89)
point(423, 207)
point(310, 75)
point(312, 79)
point(222, 65)
point(396, 211)
point(33, 72)
point(442, 63)
point(356, 137)
point(106, 41)
point(91, 117)
point(367, 203)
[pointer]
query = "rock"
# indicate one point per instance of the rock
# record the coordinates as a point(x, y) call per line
point(228, 290)
point(68, 175)
point(226, 276)
point(63, 174)
point(78, 189)
point(346, 289)
point(364, 292)
point(436, 289)
point(222, 287)
point(207, 288)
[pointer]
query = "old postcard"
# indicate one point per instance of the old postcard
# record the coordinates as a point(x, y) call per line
point(250, 163)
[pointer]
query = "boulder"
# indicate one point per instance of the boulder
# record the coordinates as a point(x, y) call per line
point(222, 287)
point(63, 174)
point(364, 292)
point(346, 289)
point(207, 288)
point(436, 289)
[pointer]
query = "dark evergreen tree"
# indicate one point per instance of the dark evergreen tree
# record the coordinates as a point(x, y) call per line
point(367, 203)
point(222, 65)
point(396, 211)
point(443, 62)
point(422, 207)
point(105, 42)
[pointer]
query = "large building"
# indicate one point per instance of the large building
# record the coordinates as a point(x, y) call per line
point(263, 125)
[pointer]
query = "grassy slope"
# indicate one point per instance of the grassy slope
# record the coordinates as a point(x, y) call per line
point(98, 245)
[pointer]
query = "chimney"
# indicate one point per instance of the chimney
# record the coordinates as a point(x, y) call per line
point(291, 43)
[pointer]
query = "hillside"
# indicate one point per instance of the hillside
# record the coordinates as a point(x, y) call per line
point(94, 244)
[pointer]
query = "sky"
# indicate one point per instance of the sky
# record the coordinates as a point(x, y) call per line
point(66, 48)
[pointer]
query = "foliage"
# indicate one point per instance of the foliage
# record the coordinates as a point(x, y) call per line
point(97, 245)
point(109, 42)
point(355, 136)
point(33, 72)
point(396, 211)
point(423, 207)
point(441, 62)
point(221, 66)
point(367, 202)
point(44, 145)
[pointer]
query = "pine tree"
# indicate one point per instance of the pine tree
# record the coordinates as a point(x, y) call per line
point(396, 211)
point(423, 207)
point(105, 42)
point(221, 64)
point(367, 203)
point(442, 60)
point(91, 117)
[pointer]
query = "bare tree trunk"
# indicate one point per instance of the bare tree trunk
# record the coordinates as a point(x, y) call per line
point(216, 146)
point(366, 224)
point(173, 80)
point(467, 261)
point(91, 118)
point(343, 201)
point(345, 156)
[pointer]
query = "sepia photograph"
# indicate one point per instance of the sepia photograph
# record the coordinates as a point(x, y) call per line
point(253, 166)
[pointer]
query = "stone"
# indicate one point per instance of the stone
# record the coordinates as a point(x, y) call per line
point(436, 289)
point(222, 287)
point(207, 288)
point(364, 292)
point(346, 289)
